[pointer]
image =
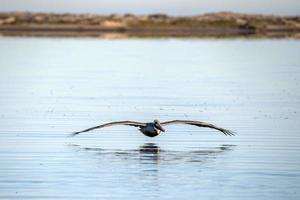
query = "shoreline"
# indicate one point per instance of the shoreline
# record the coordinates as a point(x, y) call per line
point(159, 25)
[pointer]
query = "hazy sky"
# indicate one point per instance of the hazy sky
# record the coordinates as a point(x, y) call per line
point(172, 7)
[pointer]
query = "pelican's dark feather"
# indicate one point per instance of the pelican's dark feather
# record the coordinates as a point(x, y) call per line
point(199, 124)
point(128, 123)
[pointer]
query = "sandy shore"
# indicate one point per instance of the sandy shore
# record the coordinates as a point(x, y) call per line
point(215, 25)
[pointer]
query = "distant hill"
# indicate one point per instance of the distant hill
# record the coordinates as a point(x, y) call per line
point(211, 24)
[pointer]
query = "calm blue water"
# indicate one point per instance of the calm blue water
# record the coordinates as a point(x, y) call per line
point(50, 87)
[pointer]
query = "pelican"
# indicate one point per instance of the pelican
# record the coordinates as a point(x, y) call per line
point(154, 128)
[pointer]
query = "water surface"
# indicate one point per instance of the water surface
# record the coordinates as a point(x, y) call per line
point(50, 87)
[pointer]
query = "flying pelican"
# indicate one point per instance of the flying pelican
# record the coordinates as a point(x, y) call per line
point(154, 128)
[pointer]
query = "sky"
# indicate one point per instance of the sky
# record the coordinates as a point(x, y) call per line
point(171, 7)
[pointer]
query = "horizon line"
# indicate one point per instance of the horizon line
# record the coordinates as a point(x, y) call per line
point(147, 14)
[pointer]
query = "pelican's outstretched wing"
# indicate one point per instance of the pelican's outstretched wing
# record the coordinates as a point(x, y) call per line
point(128, 123)
point(198, 123)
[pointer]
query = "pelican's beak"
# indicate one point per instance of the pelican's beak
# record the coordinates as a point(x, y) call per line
point(160, 128)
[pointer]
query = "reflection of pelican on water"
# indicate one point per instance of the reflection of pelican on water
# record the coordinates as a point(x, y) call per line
point(150, 148)
point(151, 153)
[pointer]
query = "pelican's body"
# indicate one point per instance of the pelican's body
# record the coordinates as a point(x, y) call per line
point(151, 129)
point(154, 128)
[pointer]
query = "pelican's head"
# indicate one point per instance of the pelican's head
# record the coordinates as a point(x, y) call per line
point(158, 125)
